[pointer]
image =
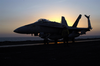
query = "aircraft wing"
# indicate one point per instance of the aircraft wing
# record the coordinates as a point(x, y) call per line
point(78, 29)
point(69, 28)
point(51, 26)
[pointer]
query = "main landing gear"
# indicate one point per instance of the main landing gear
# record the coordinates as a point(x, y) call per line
point(46, 41)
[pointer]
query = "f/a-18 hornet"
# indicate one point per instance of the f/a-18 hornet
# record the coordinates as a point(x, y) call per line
point(53, 30)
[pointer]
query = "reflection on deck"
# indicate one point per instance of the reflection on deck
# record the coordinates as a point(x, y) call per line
point(43, 43)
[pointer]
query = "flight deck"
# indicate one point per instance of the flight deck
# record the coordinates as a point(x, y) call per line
point(78, 53)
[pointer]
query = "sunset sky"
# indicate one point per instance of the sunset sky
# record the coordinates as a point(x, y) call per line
point(16, 13)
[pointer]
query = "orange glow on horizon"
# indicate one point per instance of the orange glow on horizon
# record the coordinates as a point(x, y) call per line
point(55, 20)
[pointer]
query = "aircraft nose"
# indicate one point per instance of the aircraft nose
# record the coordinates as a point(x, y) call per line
point(27, 29)
point(15, 30)
point(19, 30)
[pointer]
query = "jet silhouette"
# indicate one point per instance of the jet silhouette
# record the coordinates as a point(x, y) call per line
point(52, 30)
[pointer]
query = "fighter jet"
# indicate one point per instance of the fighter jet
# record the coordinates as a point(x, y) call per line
point(53, 30)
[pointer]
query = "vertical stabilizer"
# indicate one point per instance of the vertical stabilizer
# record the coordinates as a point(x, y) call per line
point(77, 20)
point(89, 24)
point(63, 21)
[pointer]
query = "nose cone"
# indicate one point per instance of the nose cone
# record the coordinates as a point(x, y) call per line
point(15, 31)
point(19, 30)
point(27, 29)
point(22, 30)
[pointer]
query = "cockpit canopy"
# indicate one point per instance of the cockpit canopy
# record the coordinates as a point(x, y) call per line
point(43, 20)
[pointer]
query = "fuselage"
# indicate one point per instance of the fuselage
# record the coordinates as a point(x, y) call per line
point(40, 26)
